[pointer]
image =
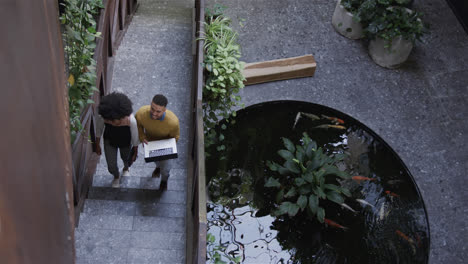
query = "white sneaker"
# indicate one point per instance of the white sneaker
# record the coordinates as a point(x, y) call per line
point(125, 172)
point(116, 183)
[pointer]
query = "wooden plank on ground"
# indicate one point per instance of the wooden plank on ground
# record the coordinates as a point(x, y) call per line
point(282, 69)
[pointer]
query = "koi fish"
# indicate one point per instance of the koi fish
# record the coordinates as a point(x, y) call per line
point(407, 238)
point(334, 224)
point(334, 119)
point(392, 194)
point(330, 126)
point(362, 178)
point(311, 116)
point(298, 116)
point(348, 207)
point(382, 213)
point(364, 202)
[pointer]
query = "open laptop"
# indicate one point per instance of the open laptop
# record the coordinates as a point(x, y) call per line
point(160, 150)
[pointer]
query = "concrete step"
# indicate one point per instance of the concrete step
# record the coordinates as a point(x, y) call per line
point(126, 239)
point(145, 183)
point(137, 195)
point(124, 208)
point(144, 171)
point(102, 254)
point(135, 223)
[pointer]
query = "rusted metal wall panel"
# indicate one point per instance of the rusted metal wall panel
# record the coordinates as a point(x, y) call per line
point(36, 216)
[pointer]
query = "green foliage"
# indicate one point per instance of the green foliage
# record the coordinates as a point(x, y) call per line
point(395, 22)
point(79, 38)
point(224, 77)
point(307, 176)
point(215, 253)
point(386, 19)
point(216, 10)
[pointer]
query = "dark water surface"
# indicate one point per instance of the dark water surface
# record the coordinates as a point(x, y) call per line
point(389, 224)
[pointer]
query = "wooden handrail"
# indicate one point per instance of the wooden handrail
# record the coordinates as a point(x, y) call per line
point(196, 242)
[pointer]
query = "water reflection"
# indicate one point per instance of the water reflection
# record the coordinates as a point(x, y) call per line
point(384, 219)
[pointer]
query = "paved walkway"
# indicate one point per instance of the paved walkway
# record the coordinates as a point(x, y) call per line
point(420, 109)
point(137, 223)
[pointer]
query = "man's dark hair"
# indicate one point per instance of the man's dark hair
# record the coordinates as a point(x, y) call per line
point(115, 106)
point(160, 99)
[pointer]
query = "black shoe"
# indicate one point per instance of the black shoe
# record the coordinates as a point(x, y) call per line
point(156, 173)
point(163, 185)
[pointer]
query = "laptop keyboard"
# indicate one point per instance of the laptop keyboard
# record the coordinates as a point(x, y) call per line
point(160, 152)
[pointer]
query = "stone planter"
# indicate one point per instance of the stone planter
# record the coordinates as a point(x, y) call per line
point(344, 24)
point(390, 58)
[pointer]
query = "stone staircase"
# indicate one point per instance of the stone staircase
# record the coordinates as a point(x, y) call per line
point(137, 223)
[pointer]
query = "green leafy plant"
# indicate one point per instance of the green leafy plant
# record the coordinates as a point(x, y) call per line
point(395, 22)
point(215, 253)
point(223, 77)
point(307, 177)
point(365, 11)
point(79, 36)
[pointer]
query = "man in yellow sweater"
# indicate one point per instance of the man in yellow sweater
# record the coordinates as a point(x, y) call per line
point(155, 122)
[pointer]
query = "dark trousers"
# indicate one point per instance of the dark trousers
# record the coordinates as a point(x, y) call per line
point(111, 157)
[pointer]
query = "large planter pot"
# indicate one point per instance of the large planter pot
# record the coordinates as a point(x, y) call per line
point(344, 23)
point(392, 57)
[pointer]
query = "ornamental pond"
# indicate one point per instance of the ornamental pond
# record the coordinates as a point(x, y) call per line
point(383, 221)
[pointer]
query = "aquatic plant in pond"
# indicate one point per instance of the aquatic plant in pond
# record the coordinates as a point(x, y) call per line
point(383, 221)
point(307, 176)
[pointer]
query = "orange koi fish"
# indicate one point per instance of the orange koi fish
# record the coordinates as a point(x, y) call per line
point(407, 238)
point(362, 178)
point(334, 119)
point(392, 194)
point(334, 224)
point(331, 126)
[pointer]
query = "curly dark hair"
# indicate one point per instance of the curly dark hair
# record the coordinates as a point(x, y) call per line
point(160, 99)
point(115, 106)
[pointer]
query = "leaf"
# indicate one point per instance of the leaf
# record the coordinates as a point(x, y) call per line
point(313, 203)
point(345, 191)
point(289, 145)
point(71, 79)
point(310, 149)
point(299, 181)
point(285, 154)
point(300, 153)
point(282, 170)
point(272, 165)
point(332, 187)
point(319, 192)
point(309, 177)
point(320, 214)
point(335, 197)
point(279, 196)
point(288, 208)
point(272, 182)
point(292, 166)
point(291, 193)
point(302, 201)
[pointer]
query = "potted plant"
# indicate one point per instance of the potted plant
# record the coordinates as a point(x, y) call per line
point(393, 34)
point(345, 21)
